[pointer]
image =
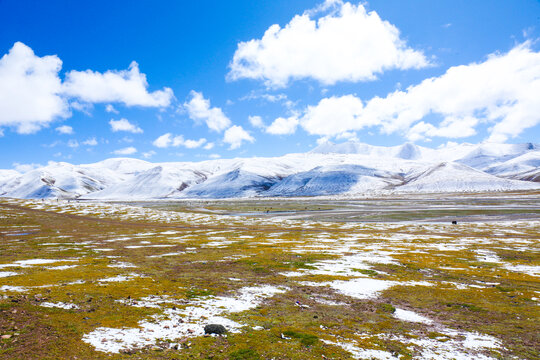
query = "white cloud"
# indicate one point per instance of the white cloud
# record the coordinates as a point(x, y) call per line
point(348, 44)
point(209, 146)
point(110, 109)
point(126, 139)
point(90, 142)
point(24, 168)
point(283, 126)
point(65, 129)
point(30, 90)
point(32, 95)
point(167, 140)
point(85, 108)
point(323, 140)
point(149, 154)
point(125, 86)
point(1, 132)
point(335, 115)
point(256, 121)
point(501, 91)
point(73, 144)
point(199, 109)
point(124, 125)
point(235, 135)
point(347, 135)
point(163, 141)
point(125, 151)
point(193, 144)
point(214, 156)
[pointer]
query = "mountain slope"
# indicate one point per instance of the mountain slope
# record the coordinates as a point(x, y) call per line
point(330, 169)
point(332, 180)
point(454, 177)
point(59, 180)
point(156, 183)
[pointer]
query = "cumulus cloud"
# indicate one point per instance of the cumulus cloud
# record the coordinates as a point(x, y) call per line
point(163, 141)
point(65, 129)
point(335, 115)
point(125, 151)
point(235, 136)
point(199, 109)
point(167, 140)
point(73, 144)
point(148, 154)
point(124, 86)
point(110, 109)
point(256, 121)
point(90, 142)
point(347, 44)
point(193, 144)
point(283, 126)
point(500, 92)
point(209, 146)
point(30, 90)
point(32, 95)
point(124, 125)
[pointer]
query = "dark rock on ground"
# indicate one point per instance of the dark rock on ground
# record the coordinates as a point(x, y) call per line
point(215, 329)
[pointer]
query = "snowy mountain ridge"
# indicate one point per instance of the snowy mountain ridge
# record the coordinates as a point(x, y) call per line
point(350, 168)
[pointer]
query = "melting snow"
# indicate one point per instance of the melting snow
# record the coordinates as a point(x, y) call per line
point(176, 324)
point(59, 305)
point(407, 315)
point(7, 273)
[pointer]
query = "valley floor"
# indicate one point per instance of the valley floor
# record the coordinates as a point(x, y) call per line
point(91, 280)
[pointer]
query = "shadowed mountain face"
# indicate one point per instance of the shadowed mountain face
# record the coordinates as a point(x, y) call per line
point(350, 168)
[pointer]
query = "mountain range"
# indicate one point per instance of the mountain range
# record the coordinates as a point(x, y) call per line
point(350, 168)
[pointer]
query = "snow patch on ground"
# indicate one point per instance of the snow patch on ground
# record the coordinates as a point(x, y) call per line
point(532, 270)
point(62, 267)
point(59, 305)
point(359, 353)
point(407, 315)
point(119, 278)
point(167, 254)
point(8, 288)
point(175, 324)
point(7, 273)
point(364, 288)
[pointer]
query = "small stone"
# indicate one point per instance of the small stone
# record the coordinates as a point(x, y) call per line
point(6, 336)
point(215, 329)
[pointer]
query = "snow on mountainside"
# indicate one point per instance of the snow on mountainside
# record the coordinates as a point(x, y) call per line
point(8, 174)
point(349, 168)
point(158, 182)
point(454, 177)
point(333, 179)
point(236, 183)
point(59, 180)
point(489, 155)
point(525, 167)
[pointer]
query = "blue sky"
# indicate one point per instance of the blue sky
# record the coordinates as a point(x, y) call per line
point(195, 80)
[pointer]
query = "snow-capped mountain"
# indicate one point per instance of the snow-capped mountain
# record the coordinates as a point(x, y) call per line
point(350, 168)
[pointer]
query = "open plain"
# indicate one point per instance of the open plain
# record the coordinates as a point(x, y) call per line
point(308, 278)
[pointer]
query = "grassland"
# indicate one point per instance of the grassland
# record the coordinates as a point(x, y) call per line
point(115, 281)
